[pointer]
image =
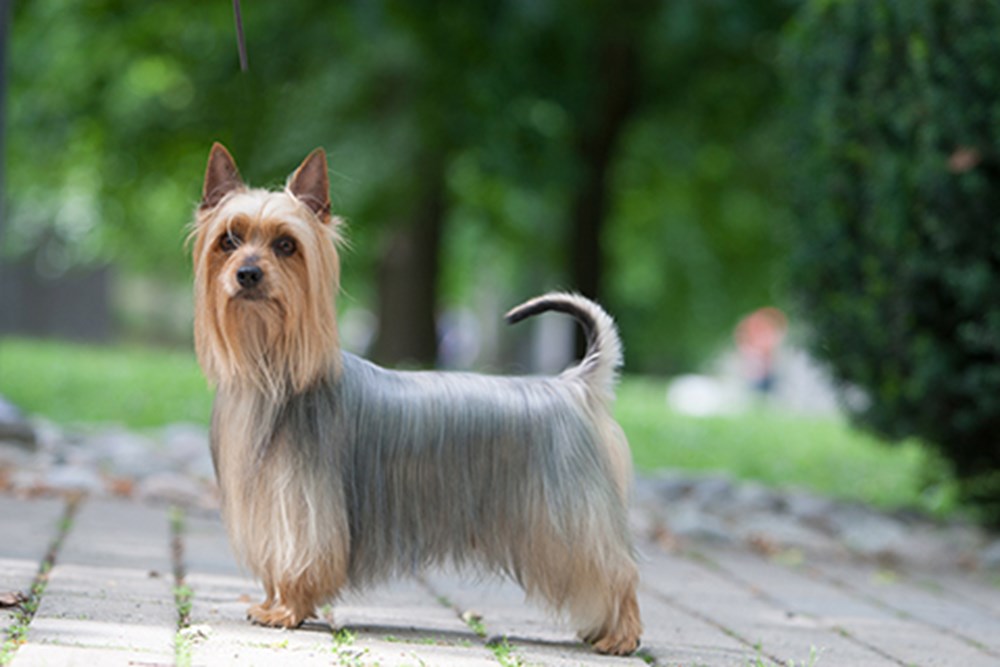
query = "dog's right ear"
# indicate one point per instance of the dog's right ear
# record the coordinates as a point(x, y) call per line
point(221, 177)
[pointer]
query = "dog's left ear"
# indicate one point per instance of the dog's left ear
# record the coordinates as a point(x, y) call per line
point(311, 185)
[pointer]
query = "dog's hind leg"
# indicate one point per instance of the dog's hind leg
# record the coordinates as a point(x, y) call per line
point(621, 628)
point(594, 578)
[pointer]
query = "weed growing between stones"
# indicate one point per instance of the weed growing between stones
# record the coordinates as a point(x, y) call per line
point(182, 649)
point(344, 651)
point(645, 656)
point(183, 595)
point(504, 653)
point(475, 623)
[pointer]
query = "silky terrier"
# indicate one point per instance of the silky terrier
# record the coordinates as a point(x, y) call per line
point(336, 473)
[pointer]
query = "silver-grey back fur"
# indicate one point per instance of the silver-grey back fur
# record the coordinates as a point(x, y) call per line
point(448, 466)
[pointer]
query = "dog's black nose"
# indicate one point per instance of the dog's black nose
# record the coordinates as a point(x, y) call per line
point(249, 276)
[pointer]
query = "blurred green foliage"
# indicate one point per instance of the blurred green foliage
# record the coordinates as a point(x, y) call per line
point(113, 105)
point(897, 255)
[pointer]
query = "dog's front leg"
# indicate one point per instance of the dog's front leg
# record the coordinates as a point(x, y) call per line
point(288, 603)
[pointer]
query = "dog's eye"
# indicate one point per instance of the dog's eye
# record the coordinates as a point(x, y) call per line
point(229, 242)
point(284, 246)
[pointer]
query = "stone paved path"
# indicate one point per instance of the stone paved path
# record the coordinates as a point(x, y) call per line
point(123, 583)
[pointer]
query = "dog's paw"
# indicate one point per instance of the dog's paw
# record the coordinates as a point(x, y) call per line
point(275, 616)
point(615, 644)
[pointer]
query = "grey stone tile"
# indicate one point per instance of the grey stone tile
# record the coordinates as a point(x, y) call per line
point(851, 616)
point(49, 655)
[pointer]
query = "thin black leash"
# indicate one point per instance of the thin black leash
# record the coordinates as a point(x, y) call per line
point(240, 41)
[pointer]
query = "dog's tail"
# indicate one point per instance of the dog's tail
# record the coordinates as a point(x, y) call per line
point(603, 358)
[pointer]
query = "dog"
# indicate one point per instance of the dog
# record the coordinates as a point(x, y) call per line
point(336, 473)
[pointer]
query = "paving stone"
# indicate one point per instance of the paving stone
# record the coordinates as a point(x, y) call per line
point(673, 637)
point(114, 533)
point(842, 612)
point(400, 606)
point(236, 641)
point(948, 615)
point(502, 605)
point(778, 631)
point(533, 634)
point(206, 547)
point(990, 557)
point(100, 592)
point(982, 592)
point(223, 589)
point(110, 583)
point(401, 653)
point(33, 524)
point(398, 624)
point(133, 629)
point(47, 655)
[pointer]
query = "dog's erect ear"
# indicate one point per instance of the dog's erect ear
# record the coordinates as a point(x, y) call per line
point(311, 185)
point(221, 176)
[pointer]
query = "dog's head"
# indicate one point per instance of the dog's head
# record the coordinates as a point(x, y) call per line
point(266, 274)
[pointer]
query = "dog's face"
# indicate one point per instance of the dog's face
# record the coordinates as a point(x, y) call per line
point(266, 274)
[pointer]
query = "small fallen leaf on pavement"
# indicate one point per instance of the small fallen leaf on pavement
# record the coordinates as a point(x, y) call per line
point(12, 599)
point(123, 487)
point(764, 546)
point(661, 535)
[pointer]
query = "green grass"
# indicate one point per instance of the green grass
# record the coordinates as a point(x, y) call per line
point(820, 453)
point(145, 387)
point(135, 386)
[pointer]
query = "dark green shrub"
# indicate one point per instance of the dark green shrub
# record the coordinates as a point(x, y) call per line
point(895, 119)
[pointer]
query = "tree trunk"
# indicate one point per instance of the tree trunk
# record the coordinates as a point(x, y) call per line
point(615, 100)
point(408, 279)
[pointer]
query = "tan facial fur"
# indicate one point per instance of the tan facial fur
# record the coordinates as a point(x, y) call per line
point(283, 335)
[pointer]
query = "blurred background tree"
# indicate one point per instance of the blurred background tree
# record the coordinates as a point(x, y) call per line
point(897, 252)
point(481, 152)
